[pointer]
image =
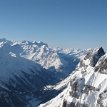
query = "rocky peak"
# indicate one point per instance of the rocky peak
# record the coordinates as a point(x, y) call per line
point(87, 85)
point(91, 58)
point(100, 52)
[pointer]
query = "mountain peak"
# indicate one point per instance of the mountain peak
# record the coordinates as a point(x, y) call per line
point(100, 52)
point(87, 86)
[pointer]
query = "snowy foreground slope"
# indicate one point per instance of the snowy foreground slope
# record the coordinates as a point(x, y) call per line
point(87, 85)
point(27, 69)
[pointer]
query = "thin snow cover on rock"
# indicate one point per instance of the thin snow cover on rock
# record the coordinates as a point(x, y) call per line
point(87, 86)
point(28, 68)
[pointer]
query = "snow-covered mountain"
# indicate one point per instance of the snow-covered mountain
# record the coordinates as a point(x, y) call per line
point(87, 85)
point(27, 68)
point(63, 60)
point(32, 73)
point(39, 52)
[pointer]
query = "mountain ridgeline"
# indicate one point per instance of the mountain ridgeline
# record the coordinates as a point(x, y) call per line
point(87, 85)
point(32, 74)
point(27, 68)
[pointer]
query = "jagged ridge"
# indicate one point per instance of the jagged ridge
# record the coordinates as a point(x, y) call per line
point(88, 84)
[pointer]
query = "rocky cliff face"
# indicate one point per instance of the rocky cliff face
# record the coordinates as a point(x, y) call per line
point(88, 83)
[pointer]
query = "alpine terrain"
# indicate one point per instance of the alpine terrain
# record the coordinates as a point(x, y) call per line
point(87, 84)
point(31, 72)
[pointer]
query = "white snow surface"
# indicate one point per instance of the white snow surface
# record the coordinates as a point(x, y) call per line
point(91, 87)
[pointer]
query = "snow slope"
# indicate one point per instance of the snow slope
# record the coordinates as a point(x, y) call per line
point(87, 86)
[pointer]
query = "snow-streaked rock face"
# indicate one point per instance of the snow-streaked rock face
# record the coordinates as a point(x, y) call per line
point(87, 85)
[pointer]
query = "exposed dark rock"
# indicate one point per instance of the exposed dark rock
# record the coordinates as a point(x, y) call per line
point(89, 88)
point(96, 56)
point(72, 104)
point(77, 87)
point(89, 54)
point(82, 64)
point(64, 103)
point(102, 96)
point(102, 67)
point(81, 105)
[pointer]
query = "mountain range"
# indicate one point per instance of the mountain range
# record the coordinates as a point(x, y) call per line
point(30, 70)
point(32, 74)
